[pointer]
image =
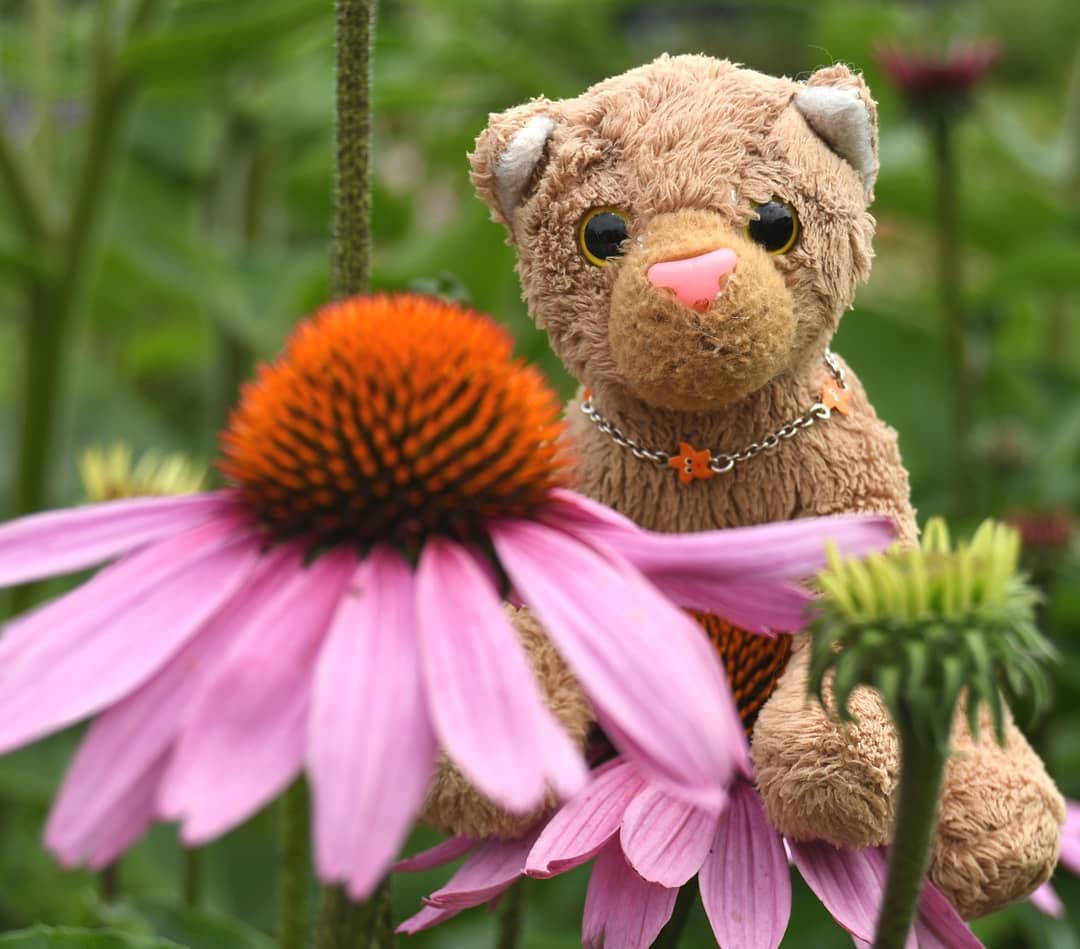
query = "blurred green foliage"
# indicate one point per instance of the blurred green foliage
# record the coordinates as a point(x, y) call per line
point(213, 240)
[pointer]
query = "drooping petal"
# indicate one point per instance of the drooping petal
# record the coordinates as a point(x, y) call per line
point(427, 917)
point(131, 738)
point(490, 869)
point(938, 925)
point(438, 856)
point(1046, 900)
point(764, 608)
point(785, 550)
point(621, 909)
point(849, 883)
point(665, 839)
point(59, 542)
point(371, 748)
point(483, 697)
point(243, 740)
point(645, 665)
point(745, 882)
point(586, 822)
point(1070, 837)
point(127, 823)
point(96, 645)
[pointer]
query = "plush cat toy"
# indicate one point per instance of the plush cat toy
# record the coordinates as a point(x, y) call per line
point(689, 234)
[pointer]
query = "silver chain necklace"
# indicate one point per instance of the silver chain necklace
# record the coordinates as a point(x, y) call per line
point(693, 465)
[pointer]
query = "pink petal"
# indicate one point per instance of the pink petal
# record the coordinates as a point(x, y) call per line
point(664, 838)
point(1070, 837)
point(438, 856)
point(371, 749)
point(483, 697)
point(128, 822)
point(757, 607)
point(586, 822)
point(1046, 900)
point(427, 917)
point(938, 925)
point(58, 542)
point(491, 868)
point(849, 883)
point(131, 738)
point(786, 550)
point(621, 909)
point(92, 647)
point(649, 672)
point(243, 740)
point(745, 882)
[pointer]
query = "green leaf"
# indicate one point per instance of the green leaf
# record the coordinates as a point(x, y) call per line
point(48, 937)
point(203, 928)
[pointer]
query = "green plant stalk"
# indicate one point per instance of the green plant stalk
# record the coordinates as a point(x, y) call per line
point(24, 189)
point(191, 891)
point(293, 868)
point(352, 175)
point(950, 277)
point(343, 924)
point(511, 917)
point(53, 305)
point(922, 766)
point(680, 915)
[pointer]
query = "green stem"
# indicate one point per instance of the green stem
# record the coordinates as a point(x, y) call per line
point(24, 189)
point(352, 179)
point(950, 276)
point(293, 874)
point(192, 881)
point(511, 917)
point(680, 916)
point(346, 925)
point(109, 882)
point(922, 766)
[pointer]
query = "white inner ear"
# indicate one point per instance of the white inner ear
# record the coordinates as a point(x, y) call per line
point(515, 165)
point(839, 117)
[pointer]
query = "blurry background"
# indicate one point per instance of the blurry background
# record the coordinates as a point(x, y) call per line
point(176, 157)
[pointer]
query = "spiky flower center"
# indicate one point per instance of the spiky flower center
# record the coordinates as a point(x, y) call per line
point(753, 663)
point(392, 417)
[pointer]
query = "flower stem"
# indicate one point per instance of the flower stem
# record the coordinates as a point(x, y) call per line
point(293, 878)
point(192, 881)
point(950, 276)
point(680, 915)
point(346, 925)
point(922, 766)
point(53, 304)
point(352, 180)
point(511, 917)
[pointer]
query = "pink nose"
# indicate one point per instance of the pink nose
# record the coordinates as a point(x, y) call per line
point(697, 281)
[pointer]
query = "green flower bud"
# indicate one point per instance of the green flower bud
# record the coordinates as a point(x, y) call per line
point(922, 625)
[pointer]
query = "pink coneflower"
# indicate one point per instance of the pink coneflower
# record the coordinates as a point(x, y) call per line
point(1045, 897)
point(338, 608)
point(927, 77)
point(648, 843)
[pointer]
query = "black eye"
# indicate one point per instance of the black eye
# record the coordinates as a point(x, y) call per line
point(601, 234)
point(776, 227)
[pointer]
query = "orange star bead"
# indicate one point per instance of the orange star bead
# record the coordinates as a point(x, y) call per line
point(836, 398)
point(691, 464)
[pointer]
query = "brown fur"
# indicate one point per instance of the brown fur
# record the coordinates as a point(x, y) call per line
point(684, 146)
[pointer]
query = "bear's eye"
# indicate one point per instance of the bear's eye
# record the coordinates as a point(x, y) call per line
point(776, 227)
point(601, 234)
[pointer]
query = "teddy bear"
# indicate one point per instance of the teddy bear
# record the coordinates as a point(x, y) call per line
point(689, 234)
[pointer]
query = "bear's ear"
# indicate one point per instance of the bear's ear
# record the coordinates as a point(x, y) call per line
point(509, 154)
point(837, 105)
